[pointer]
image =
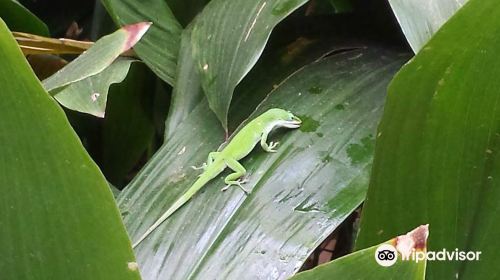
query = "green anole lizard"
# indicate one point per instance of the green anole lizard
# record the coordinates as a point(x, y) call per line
point(239, 147)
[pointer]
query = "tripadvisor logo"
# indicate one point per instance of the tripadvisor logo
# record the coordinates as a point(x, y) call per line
point(387, 255)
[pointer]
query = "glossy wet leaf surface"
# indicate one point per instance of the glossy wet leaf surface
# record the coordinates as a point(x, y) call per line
point(299, 194)
point(437, 158)
point(58, 217)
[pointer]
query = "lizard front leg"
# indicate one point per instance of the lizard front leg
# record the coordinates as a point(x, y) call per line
point(232, 179)
point(263, 143)
point(210, 160)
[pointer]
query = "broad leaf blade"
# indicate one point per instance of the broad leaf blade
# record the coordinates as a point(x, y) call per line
point(300, 194)
point(98, 57)
point(362, 264)
point(437, 158)
point(160, 45)
point(420, 19)
point(228, 39)
point(58, 218)
point(91, 94)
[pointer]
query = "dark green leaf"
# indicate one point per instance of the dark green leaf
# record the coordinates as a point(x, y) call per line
point(438, 152)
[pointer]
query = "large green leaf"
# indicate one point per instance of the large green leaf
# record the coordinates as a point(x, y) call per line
point(420, 19)
point(362, 264)
point(299, 194)
point(58, 217)
point(228, 38)
point(438, 152)
point(160, 45)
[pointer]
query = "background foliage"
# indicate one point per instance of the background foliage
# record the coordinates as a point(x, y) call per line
point(204, 68)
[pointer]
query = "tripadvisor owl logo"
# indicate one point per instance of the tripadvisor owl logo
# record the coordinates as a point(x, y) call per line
point(386, 255)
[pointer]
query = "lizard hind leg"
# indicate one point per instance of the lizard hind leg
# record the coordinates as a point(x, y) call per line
point(233, 179)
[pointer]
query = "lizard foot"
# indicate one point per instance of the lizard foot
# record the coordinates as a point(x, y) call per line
point(203, 166)
point(236, 183)
point(272, 145)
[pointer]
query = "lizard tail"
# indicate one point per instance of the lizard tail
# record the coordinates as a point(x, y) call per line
point(202, 180)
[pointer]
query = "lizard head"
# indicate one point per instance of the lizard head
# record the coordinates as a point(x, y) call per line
point(283, 118)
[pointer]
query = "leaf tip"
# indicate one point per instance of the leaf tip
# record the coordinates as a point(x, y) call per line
point(135, 33)
point(415, 240)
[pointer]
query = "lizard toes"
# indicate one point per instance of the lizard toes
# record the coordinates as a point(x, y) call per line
point(243, 181)
point(273, 145)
